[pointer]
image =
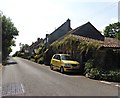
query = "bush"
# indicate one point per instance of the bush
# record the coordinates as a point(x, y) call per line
point(47, 55)
point(88, 66)
point(112, 75)
point(40, 60)
point(32, 59)
point(94, 72)
point(90, 71)
point(36, 57)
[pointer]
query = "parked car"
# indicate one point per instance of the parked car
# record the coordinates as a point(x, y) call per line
point(64, 63)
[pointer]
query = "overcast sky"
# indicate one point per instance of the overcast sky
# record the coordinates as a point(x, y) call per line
point(35, 18)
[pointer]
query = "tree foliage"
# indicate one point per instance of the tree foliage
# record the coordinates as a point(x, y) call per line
point(24, 47)
point(9, 31)
point(113, 30)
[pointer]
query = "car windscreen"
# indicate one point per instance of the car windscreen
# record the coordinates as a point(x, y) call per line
point(66, 57)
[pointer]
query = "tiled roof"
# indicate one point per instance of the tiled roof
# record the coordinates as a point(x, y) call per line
point(111, 42)
point(108, 42)
point(87, 39)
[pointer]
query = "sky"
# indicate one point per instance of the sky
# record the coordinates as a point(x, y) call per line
point(36, 18)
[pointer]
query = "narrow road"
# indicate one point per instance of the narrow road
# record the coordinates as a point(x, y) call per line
point(26, 78)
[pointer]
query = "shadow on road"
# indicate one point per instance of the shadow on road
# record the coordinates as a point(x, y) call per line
point(71, 73)
point(10, 61)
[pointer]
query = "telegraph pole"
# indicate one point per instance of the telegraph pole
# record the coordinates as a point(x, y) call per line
point(1, 36)
point(119, 11)
point(1, 53)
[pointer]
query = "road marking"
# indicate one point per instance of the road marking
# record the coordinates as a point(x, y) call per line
point(105, 82)
point(117, 85)
point(22, 88)
point(13, 89)
point(0, 91)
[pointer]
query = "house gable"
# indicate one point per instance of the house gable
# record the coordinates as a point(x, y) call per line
point(59, 32)
point(88, 30)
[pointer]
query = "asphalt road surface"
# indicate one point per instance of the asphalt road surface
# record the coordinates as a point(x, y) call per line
point(26, 78)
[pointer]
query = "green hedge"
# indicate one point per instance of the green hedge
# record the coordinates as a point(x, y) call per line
point(112, 75)
point(96, 72)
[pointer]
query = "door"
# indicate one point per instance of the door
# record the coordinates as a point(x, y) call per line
point(58, 62)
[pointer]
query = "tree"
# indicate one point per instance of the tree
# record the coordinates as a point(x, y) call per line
point(113, 30)
point(24, 47)
point(9, 31)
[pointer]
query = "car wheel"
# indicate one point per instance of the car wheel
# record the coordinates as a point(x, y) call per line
point(62, 70)
point(51, 67)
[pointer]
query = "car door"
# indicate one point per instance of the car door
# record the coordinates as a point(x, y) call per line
point(54, 60)
point(58, 62)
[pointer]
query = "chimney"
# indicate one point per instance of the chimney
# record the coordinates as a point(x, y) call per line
point(47, 35)
point(38, 39)
point(68, 24)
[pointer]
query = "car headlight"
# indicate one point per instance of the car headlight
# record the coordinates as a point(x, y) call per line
point(67, 65)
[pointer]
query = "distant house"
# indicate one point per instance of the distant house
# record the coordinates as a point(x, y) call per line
point(35, 45)
point(59, 32)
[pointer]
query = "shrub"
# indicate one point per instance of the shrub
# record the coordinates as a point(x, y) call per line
point(95, 73)
point(112, 75)
point(36, 57)
point(47, 55)
point(91, 71)
point(32, 59)
point(88, 66)
point(40, 60)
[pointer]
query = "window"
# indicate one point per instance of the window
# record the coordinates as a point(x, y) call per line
point(57, 57)
point(66, 57)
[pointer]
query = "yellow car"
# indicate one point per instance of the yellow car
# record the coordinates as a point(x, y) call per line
point(64, 63)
